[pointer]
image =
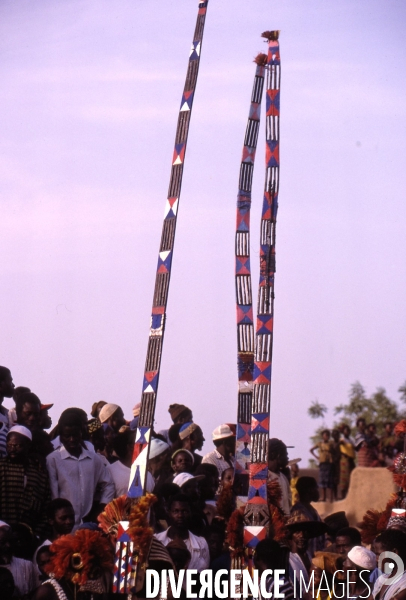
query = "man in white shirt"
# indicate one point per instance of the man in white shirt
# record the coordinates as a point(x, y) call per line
point(179, 515)
point(75, 472)
point(222, 456)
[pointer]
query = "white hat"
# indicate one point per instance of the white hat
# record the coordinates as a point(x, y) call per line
point(362, 557)
point(183, 478)
point(222, 431)
point(3, 524)
point(157, 447)
point(107, 411)
point(21, 430)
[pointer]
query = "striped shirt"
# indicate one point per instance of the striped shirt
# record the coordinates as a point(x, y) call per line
point(4, 428)
point(24, 493)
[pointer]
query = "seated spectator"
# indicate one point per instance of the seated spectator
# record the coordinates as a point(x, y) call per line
point(277, 460)
point(76, 473)
point(28, 411)
point(180, 414)
point(24, 483)
point(6, 391)
point(179, 516)
point(23, 571)
point(223, 455)
point(123, 445)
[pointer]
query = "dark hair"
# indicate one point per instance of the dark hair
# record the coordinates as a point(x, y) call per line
point(173, 433)
point(393, 538)
point(352, 533)
point(275, 447)
point(6, 574)
point(207, 469)
point(388, 423)
point(4, 372)
point(44, 548)
point(178, 498)
point(21, 389)
point(304, 484)
point(187, 411)
point(218, 443)
point(57, 504)
point(70, 419)
point(79, 412)
point(359, 421)
point(271, 553)
point(325, 431)
point(121, 442)
point(26, 397)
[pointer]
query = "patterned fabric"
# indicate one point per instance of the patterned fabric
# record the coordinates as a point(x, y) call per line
point(215, 458)
point(24, 493)
point(285, 587)
point(4, 427)
point(326, 479)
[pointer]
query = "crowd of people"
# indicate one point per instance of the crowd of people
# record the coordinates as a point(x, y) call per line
point(63, 493)
point(338, 453)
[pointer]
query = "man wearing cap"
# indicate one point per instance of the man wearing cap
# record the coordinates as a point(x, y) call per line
point(6, 391)
point(157, 461)
point(191, 436)
point(180, 414)
point(24, 483)
point(222, 456)
point(357, 567)
point(113, 416)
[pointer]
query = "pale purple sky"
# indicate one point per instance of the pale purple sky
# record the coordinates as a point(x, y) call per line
point(89, 99)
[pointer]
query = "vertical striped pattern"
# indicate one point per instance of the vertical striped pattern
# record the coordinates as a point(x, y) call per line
point(245, 325)
point(160, 297)
point(257, 512)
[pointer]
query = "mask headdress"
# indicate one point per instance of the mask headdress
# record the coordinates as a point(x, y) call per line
point(81, 557)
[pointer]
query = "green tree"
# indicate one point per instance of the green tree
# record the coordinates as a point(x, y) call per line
point(377, 408)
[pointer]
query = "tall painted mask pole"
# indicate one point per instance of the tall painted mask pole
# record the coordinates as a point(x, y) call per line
point(125, 568)
point(243, 287)
point(256, 517)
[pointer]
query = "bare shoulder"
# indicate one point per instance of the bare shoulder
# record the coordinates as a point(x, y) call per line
point(45, 592)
